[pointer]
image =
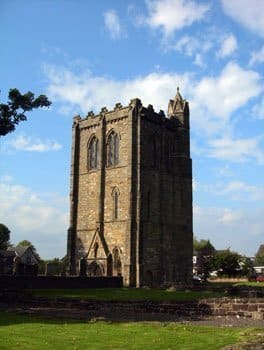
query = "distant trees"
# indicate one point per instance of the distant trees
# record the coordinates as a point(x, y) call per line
point(4, 237)
point(259, 258)
point(13, 112)
point(204, 251)
point(226, 262)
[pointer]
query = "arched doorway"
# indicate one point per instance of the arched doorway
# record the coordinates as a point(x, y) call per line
point(94, 269)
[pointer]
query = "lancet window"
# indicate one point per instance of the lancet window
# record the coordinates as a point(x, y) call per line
point(112, 149)
point(115, 196)
point(93, 153)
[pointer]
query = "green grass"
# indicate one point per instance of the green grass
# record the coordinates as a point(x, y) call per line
point(34, 333)
point(125, 294)
point(250, 284)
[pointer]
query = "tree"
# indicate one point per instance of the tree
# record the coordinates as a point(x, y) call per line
point(4, 237)
point(259, 258)
point(227, 262)
point(26, 243)
point(13, 112)
point(204, 251)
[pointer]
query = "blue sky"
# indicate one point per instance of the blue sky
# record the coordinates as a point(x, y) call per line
point(85, 55)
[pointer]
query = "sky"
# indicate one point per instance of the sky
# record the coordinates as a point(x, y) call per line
point(85, 55)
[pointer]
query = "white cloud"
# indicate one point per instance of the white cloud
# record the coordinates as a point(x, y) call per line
point(249, 13)
point(240, 229)
point(211, 97)
point(258, 110)
point(237, 190)
point(228, 46)
point(172, 15)
point(41, 219)
point(192, 47)
point(112, 24)
point(236, 150)
point(257, 57)
point(223, 94)
point(26, 143)
point(87, 91)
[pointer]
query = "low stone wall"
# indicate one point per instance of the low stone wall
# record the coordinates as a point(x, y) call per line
point(236, 307)
point(58, 282)
point(242, 307)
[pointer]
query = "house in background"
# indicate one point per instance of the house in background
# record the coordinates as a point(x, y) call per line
point(19, 261)
point(6, 262)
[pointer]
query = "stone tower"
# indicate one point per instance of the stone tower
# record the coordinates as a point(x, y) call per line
point(131, 194)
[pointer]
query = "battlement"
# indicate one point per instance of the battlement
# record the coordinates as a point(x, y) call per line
point(178, 113)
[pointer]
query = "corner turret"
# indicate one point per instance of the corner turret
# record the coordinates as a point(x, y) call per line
point(178, 108)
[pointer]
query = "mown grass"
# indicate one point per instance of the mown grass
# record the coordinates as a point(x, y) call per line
point(31, 333)
point(250, 284)
point(126, 294)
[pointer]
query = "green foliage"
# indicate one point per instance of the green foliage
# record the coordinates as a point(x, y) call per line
point(226, 262)
point(25, 243)
point(203, 245)
point(259, 259)
point(28, 332)
point(13, 112)
point(204, 251)
point(4, 237)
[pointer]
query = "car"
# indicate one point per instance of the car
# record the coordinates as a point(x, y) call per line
point(197, 280)
point(260, 278)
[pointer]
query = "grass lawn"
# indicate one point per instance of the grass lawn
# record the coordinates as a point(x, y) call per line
point(125, 294)
point(28, 333)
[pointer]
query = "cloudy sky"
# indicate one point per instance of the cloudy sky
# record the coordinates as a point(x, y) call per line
point(88, 54)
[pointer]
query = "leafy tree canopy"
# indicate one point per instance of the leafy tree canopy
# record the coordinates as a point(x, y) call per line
point(4, 237)
point(204, 246)
point(13, 112)
point(227, 262)
point(259, 259)
point(25, 243)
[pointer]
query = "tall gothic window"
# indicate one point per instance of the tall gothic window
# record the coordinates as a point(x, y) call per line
point(112, 149)
point(93, 153)
point(115, 196)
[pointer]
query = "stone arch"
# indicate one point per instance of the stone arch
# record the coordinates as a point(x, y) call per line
point(95, 269)
point(112, 148)
point(93, 152)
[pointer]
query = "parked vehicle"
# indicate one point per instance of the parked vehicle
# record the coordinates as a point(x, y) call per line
point(260, 278)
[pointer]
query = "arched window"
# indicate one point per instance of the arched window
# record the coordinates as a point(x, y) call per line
point(112, 149)
point(93, 153)
point(115, 196)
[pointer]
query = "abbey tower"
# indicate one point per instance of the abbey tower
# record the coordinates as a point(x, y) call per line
point(131, 194)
